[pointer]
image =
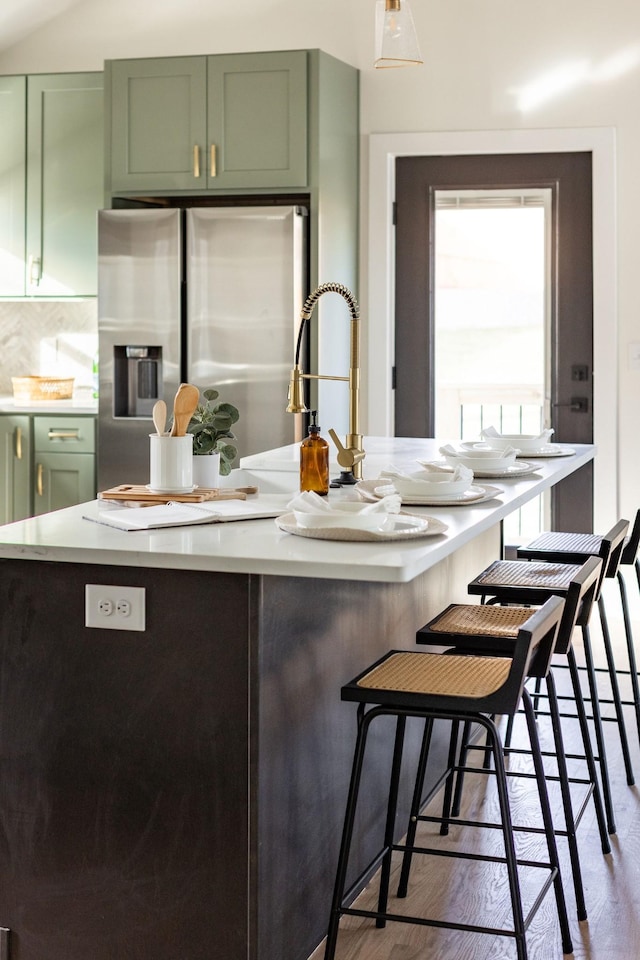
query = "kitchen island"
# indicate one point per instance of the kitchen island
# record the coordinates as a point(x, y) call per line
point(179, 792)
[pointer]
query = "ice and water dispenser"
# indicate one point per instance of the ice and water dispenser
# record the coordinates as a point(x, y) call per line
point(137, 380)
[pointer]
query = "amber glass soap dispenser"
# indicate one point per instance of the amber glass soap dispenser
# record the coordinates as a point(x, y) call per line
point(314, 460)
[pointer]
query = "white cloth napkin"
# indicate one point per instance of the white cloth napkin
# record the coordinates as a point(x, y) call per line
point(543, 437)
point(309, 502)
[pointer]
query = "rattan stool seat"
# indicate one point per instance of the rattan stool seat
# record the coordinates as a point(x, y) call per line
point(479, 619)
point(585, 543)
point(523, 573)
point(432, 674)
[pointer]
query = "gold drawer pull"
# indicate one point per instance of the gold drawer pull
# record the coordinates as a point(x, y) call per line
point(214, 165)
point(40, 480)
point(64, 435)
point(196, 161)
point(18, 442)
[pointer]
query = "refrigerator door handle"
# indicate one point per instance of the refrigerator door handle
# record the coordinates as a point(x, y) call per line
point(214, 161)
point(196, 161)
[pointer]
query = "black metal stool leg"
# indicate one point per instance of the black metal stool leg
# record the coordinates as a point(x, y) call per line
point(615, 689)
point(631, 653)
point(495, 745)
point(567, 946)
point(588, 752)
point(565, 790)
point(347, 831)
point(383, 893)
point(464, 752)
point(451, 778)
point(416, 805)
point(599, 732)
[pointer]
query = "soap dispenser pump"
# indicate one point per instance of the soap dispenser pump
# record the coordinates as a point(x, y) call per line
point(314, 460)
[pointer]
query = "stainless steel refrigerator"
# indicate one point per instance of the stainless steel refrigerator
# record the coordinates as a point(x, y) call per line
point(208, 295)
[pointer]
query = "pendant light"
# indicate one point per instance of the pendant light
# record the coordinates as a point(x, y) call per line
point(396, 39)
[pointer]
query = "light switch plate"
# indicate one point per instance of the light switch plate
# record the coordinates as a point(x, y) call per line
point(114, 608)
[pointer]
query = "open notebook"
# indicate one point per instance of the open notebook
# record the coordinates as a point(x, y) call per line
point(183, 514)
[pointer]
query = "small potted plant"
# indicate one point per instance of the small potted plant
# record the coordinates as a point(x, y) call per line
point(210, 427)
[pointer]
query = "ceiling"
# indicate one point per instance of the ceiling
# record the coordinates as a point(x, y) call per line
point(19, 18)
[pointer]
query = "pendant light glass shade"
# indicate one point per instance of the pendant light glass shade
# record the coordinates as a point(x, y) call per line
point(396, 39)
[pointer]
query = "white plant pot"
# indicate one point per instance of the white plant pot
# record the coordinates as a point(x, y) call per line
point(206, 471)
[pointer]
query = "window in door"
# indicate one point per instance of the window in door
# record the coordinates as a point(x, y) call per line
point(492, 320)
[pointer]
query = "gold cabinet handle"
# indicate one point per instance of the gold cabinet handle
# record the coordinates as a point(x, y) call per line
point(63, 435)
point(40, 480)
point(35, 273)
point(214, 164)
point(18, 442)
point(196, 161)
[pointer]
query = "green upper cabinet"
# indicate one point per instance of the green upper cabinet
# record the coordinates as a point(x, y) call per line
point(158, 123)
point(257, 120)
point(12, 185)
point(65, 183)
point(235, 121)
point(51, 184)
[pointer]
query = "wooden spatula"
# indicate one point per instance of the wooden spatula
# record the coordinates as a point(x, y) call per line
point(159, 414)
point(184, 407)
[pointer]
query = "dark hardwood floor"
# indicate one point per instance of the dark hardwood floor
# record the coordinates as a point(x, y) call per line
point(464, 890)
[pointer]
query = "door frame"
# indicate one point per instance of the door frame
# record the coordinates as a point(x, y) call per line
point(378, 334)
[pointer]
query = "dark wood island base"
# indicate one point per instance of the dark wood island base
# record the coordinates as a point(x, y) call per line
point(179, 793)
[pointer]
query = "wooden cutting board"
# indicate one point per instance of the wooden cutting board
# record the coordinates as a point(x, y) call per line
point(139, 494)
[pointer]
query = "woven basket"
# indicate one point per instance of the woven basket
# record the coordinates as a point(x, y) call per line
point(26, 389)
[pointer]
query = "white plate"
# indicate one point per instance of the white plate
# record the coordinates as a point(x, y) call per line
point(475, 494)
point(519, 469)
point(550, 450)
point(405, 527)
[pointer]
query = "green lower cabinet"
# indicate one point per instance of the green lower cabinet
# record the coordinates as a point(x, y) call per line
point(63, 479)
point(64, 470)
point(15, 468)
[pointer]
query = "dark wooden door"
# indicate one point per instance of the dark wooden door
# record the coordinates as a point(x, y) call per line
point(568, 177)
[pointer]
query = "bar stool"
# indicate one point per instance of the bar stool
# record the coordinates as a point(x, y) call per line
point(558, 547)
point(485, 630)
point(430, 686)
point(532, 582)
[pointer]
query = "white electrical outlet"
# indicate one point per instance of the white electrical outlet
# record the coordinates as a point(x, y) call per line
point(114, 608)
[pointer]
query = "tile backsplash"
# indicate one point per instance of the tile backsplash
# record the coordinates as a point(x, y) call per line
point(50, 338)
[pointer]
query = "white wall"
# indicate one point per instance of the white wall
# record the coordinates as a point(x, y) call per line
point(489, 65)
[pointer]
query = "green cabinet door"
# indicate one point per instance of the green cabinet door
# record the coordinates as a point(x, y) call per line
point(158, 124)
point(15, 465)
point(12, 185)
point(257, 120)
point(64, 462)
point(63, 479)
point(65, 163)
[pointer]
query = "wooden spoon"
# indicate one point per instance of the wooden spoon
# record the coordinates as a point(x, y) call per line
point(184, 407)
point(159, 414)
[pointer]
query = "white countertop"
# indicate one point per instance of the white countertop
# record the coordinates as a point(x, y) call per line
point(258, 546)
